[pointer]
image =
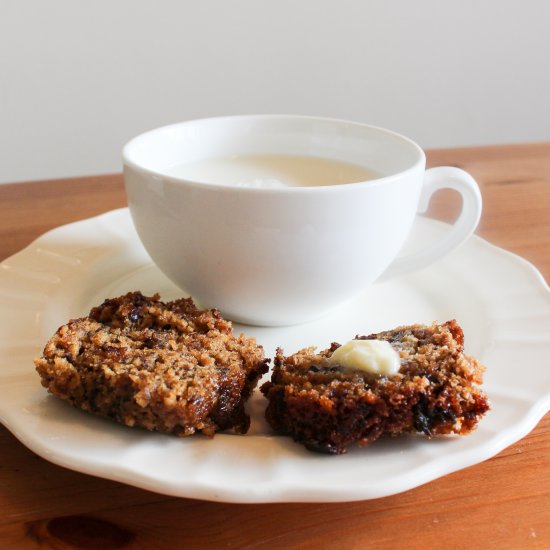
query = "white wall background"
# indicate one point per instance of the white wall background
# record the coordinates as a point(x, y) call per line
point(78, 79)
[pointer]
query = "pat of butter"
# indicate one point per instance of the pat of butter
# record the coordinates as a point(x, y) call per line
point(372, 356)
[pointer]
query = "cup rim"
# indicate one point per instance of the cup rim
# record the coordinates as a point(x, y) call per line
point(127, 162)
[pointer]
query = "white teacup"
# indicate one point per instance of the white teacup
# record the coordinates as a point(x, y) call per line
point(279, 254)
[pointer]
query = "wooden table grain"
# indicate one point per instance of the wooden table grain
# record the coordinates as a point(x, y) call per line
point(501, 503)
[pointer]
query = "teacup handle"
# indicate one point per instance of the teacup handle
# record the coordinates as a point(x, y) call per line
point(443, 177)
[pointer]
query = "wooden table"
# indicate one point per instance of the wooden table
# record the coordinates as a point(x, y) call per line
point(501, 503)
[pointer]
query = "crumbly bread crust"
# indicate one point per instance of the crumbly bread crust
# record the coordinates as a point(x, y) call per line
point(168, 367)
point(328, 408)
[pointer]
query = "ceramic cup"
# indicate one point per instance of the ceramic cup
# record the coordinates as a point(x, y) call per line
point(282, 256)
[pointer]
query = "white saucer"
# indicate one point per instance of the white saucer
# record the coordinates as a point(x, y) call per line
point(500, 300)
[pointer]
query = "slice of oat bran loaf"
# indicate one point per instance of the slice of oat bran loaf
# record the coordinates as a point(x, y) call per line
point(168, 367)
point(328, 408)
